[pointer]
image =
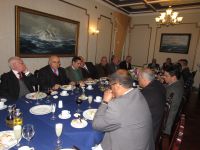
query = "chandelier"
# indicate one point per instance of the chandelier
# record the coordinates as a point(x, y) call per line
point(169, 17)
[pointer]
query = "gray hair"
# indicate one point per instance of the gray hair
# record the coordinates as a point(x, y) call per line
point(148, 74)
point(122, 77)
point(12, 60)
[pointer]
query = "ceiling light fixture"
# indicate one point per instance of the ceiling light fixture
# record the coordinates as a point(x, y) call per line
point(169, 17)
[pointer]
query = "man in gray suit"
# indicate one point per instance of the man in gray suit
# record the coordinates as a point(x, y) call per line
point(124, 116)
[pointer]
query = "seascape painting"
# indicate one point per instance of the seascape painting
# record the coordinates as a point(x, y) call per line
point(41, 35)
point(175, 43)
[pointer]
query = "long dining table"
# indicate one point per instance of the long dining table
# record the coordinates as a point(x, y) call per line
point(45, 136)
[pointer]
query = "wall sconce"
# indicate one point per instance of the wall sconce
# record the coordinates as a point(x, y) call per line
point(94, 31)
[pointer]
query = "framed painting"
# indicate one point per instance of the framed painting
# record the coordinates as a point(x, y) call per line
point(40, 34)
point(175, 43)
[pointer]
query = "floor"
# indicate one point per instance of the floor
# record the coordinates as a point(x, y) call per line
point(191, 139)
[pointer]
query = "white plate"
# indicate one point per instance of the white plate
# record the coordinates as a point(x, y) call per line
point(77, 124)
point(64, 94)
point(36, 95)
point(66, 87)
point(7, 140)
point(97, 101)
point(83, 97)
point(89, 114)
point(54, 92)
point(40, 109)
point(66, 117)
point(4, 107)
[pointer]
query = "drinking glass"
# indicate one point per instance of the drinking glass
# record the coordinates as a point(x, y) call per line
point(48, 92)
point(18, 134)
point(58, 128)
point(72, 93)
point(28, 132)
point(78, 102)
point(53, 109)
point(77, 84)
point(90, 101)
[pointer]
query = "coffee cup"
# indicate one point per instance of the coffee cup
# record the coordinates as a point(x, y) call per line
point(64, 93)
point(89, 87)
point(65, 113)
point(60, 104)
point(26, 148)
point(1, 104)
point(3, 100)
point(98, 98)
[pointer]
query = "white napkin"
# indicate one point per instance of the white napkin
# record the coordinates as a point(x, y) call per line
point(97, 147)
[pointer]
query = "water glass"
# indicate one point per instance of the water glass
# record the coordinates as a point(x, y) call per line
point(18, 134)
point(58, 128)
point(53, 110)
point(90, 101)
point(28, 132)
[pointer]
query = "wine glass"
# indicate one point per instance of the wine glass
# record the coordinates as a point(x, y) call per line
point(18, 134)
point(90, 101)
point(53, 109)
point(78, 102)
point(58, 128)
point(28, 132)
point(48, 92)
point(77, 84)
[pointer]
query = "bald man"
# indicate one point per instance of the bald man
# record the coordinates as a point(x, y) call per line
point(52, 76)
point(18, 81)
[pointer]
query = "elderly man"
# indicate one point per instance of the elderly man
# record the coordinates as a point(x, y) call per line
point(114, 65)
point(126, 64)
point(88, 69)
point(155, 95)
point(73, 72)
point(124, 116)
point(154, 65)
point(18, 81)
point(102, 68)
point(52, 76)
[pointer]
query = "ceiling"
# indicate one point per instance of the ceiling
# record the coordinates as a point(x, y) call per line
point(149, 6)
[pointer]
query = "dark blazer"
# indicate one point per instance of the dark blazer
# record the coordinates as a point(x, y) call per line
point(112, 68)
point(103, 71)
point(91, 72)
point(48, 79)
point(123, 65)
point(155, 95)
point(9, 86)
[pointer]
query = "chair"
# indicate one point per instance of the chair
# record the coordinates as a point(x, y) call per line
point(178, 134)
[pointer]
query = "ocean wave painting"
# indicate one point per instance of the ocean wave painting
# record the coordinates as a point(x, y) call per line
point(41, 35)
point(175, 43)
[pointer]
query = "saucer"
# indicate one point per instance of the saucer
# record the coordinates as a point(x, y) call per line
point(55, 96)
point(4, 107)
point(64, 94)
point(66, 117)
point(97, 101)
point(54, 93)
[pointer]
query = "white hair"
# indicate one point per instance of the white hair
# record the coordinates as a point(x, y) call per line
point(148, 74)
point(12, 60)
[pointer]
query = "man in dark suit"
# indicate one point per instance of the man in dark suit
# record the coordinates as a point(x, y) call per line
point(52, 76)
point(124, 116)
point(155, 95)
point(102, 68)
point(88, 69)
point(114, 65)
point(154, 65)
point(18, 81)
point(126, 64)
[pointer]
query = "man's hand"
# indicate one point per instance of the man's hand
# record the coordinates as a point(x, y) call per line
point(108, 95)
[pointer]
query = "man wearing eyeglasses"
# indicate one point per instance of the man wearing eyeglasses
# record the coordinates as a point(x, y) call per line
point(53, 75)
point(124, 116)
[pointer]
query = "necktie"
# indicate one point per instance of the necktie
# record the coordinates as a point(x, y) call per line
point(55, 72)
point(20, 75)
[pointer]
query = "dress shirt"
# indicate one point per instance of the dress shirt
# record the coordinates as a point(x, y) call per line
point(17, 73)
point(55, 71)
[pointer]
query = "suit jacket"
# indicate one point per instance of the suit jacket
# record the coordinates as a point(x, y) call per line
point(91, 72)
point(112, 68)
point(48, 79)
point(155, 95)
point(123, 65)
point(177, 89)
point(71, 75)
point(103, 71)
point(9, 86)
point(126, 122)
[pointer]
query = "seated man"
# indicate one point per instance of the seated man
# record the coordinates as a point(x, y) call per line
point(167, 63)
point(155, 95)
point(171, 76)
point(102, 67)
point(126, 64)
point(18, 81)
point(114, 65)
point(124, 116)
point(73, 72)
point(52, 76)
point(154, 65)
point(185, 70)
point(88, 69)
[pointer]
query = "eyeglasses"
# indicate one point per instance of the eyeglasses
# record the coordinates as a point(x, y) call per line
point(113, 83)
